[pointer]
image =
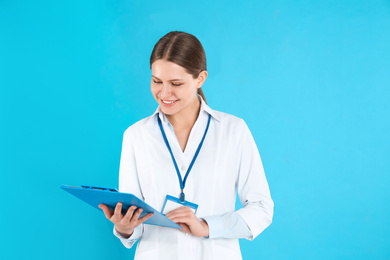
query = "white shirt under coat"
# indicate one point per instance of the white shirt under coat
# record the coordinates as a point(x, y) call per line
point(228, 162)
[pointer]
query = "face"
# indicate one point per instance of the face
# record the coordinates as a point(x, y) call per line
point(174, 89)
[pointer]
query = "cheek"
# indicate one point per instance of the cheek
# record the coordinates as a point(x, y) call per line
point(194, 88)
point(154, 90)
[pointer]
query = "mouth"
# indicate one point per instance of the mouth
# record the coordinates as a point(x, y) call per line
point(168, 103)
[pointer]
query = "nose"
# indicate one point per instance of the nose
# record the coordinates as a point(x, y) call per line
point(165, 91)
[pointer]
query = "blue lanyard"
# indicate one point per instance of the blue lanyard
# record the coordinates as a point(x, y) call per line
point(182, 183)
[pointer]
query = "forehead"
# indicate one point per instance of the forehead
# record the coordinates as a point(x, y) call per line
point(166, 70)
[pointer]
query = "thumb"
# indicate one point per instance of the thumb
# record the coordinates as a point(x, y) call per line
point(107, 212)
point(185, 228)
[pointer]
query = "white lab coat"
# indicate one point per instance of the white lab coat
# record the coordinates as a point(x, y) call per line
point(228, 162)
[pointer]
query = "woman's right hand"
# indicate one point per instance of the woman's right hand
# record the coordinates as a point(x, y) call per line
point(125, 224)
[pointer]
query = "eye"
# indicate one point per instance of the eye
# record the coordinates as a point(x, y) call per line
point(176, 84)
point(157, 82)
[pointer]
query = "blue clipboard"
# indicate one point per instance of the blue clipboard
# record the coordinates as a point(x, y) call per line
point(95, 196)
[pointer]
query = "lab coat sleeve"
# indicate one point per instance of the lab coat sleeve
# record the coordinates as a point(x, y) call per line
point(228, 225)
point(128, 181)
point(129, 242)
point(252, 186)
point(253, 192)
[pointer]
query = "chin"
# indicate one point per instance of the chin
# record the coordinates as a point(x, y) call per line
point(166, 111)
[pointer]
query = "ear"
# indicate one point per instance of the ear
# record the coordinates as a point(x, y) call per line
point(201, 78)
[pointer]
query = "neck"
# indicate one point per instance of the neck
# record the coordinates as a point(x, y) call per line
point(187, 118)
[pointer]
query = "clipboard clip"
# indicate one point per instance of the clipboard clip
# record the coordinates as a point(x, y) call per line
point(98, 188)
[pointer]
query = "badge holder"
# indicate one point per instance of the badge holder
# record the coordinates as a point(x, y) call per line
point(172, 203)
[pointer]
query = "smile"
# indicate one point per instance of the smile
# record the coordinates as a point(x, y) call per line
point(168, 102)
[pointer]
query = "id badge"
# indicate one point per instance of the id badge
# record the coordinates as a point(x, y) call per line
point(172, 203)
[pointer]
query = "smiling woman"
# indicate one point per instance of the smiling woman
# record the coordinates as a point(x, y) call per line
point(214, 151)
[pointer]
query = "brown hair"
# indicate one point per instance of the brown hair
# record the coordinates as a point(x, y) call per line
point(183, 49)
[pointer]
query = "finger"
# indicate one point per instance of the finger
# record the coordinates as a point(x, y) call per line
point(129, 214)
point(107, 212)
point(135, 217)
point(180, 214)
point(144, 218)
point(118, 211)
point(185, 220)
point(182, 209)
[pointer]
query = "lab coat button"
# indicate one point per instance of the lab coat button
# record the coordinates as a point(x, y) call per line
point(183, 168)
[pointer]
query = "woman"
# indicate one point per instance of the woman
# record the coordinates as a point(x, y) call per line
point(187, 150)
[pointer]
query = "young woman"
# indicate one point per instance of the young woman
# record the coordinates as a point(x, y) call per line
point(192, 152)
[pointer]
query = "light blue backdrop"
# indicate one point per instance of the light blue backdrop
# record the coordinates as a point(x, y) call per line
point(311, 79)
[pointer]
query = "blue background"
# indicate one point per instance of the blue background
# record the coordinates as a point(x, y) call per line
point(310, 78)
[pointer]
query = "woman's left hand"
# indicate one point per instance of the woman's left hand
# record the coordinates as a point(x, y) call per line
point(185, 217)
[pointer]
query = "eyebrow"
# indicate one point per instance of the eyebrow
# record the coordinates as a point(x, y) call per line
point(170, 79)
